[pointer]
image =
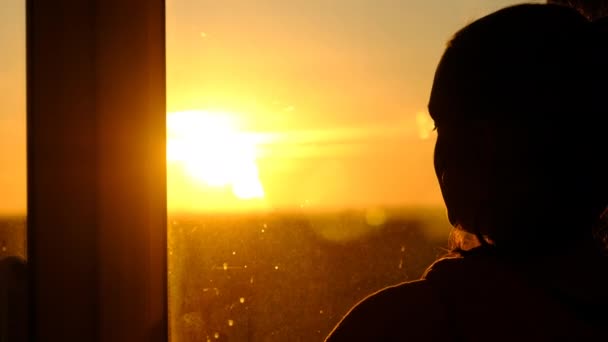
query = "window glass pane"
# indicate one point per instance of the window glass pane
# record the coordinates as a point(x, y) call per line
point(12, 128)
point(12, 171)
point(300, 173)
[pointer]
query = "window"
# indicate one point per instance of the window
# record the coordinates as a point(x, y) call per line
point(12, 171)
point(12, 129)
point(299, 153)
point(112, 276)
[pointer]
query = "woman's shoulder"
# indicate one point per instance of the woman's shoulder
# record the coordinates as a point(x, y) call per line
point(411, 310)
point(407, 311)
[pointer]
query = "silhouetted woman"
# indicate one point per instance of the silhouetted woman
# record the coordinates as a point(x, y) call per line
point(519, 101)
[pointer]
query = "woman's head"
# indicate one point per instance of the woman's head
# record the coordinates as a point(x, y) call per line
point(518, 109)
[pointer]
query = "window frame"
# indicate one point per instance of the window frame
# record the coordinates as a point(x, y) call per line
point(96, 170)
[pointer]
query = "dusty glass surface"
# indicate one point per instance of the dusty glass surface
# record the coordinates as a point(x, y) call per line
point(300, 174)
point(12, 171)
point(12, 128)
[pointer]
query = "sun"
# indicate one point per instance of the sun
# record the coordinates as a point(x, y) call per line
point(213, 152)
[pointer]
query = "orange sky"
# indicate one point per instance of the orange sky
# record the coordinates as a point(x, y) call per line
point(331, 92)
point(12, 107)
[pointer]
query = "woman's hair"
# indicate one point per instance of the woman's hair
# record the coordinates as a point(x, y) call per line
point(533, 76)
point(593, 9)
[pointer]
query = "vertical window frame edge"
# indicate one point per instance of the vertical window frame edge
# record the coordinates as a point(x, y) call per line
point(96, 122)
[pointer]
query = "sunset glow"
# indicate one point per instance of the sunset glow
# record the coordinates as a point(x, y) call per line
point(213, 152)
point(279, 105)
